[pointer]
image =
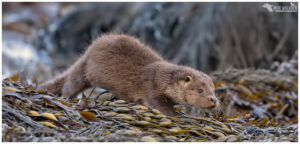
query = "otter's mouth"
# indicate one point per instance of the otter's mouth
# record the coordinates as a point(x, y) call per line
point(212, 107)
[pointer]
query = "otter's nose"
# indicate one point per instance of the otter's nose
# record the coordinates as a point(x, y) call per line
point(214, 100)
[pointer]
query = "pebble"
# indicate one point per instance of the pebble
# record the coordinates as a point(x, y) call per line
point(119, 102)
point(148, 139)
point(122, 109)
point(142, 123)
point(165, 123)
point(110, 114)
point(140, 107)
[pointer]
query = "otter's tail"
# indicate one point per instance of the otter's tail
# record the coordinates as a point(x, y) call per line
point(69, 83)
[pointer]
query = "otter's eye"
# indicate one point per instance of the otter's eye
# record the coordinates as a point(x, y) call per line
point(187, 79)
point(200, 91)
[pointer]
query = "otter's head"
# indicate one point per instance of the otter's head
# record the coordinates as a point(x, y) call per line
point(192, 87)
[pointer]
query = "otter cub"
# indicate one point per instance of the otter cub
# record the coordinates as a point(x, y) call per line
point(132, 71)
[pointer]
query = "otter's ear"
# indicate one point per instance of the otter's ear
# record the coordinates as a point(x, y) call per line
point(187, 79)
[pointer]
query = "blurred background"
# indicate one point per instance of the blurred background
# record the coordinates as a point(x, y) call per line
point(43, 39)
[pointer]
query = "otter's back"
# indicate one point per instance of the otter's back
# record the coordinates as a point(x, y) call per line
point(119, 59)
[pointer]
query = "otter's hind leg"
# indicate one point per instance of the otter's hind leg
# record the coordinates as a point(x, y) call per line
point(75, 81)
point(73, 86)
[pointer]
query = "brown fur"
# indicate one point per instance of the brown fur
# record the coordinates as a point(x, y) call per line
point(132, 71)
